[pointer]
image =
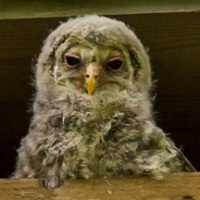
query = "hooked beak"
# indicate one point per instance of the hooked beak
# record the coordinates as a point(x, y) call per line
point(91, 75)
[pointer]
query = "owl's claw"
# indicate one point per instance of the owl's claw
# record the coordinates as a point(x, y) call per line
point(53, 182)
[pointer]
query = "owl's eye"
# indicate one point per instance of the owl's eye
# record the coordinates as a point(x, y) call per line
point(72, 61)
point(115, 64)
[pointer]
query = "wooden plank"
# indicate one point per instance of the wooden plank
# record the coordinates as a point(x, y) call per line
point(11, 9)
point(180, 186)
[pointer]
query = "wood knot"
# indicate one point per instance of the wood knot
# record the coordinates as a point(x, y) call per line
point(188, 198)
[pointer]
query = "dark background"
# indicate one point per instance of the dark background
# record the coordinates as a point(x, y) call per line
point(173, 40)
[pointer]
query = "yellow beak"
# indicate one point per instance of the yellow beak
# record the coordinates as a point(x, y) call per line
point(91, 75)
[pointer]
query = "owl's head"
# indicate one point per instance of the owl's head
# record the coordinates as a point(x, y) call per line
point(91, 54)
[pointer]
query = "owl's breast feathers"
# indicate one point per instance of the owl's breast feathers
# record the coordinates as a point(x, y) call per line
point(104, 135)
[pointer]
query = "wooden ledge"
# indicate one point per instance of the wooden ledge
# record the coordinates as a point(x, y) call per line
point(12, 9)
point(178, 186)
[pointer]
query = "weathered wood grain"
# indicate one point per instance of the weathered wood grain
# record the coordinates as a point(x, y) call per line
point(12, 9)
point(181, 186)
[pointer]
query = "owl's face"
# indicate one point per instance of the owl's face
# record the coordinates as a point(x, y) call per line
point(90, 55)
point(92, 66)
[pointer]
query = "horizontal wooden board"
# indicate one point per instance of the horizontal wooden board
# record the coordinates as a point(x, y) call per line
point(12, 9)
point(182, 186)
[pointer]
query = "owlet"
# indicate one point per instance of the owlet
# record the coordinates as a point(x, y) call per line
point(92, 113)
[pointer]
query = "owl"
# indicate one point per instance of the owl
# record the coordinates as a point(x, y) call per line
point(92, 112)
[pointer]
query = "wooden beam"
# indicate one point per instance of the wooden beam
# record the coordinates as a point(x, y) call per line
point(11, 9)
point(180, 186)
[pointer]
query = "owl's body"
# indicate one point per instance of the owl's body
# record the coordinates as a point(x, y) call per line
point(92, 111)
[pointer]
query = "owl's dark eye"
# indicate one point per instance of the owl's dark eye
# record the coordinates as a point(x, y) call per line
point(72, 61)
point(115, 64)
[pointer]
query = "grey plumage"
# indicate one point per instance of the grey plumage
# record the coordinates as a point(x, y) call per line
point(109, 133)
